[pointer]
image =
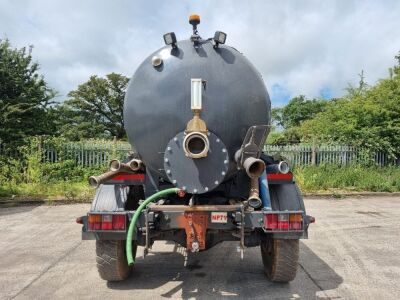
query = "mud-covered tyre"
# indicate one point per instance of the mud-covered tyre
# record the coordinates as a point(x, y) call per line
point(111, 260)
point(280, 258)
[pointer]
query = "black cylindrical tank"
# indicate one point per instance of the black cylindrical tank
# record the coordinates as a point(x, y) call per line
point(157, 104)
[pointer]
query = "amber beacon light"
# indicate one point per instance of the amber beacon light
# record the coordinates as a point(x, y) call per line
point(194, 19)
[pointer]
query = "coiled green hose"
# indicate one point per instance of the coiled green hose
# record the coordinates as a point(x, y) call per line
point(132, 225)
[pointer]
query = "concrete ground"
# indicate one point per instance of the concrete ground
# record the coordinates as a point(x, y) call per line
point(353, 253)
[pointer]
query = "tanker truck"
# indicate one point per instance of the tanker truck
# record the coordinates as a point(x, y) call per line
point(197, 114)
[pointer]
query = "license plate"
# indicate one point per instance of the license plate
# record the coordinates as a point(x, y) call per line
point(219, 217)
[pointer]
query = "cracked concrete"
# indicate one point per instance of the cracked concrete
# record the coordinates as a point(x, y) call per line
point(352, 253)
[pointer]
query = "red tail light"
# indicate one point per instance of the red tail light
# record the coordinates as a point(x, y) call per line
point(283, 221)
point(119, 222)
point(271, 221)
point(106, 222)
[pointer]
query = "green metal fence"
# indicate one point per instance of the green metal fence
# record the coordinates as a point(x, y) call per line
point(87, 154)
point(330, 154)
point(95, 153)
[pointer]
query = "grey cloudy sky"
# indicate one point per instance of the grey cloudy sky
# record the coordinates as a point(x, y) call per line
point(300, 47)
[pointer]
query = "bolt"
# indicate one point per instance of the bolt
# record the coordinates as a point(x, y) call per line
point(206, 189)
point(168, 171)
point(174, 181)
point(216, 182)
point(195, 191)
point(195, 246)
point(217, 140)
point(184, 188)
point(166, 160)
point(169, 149)
point(175, 139)
point(224, 150)
point(226, 161)
point(223, 173)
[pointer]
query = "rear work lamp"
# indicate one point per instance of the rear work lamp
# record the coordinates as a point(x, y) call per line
point(219, 38)
point(170, 39)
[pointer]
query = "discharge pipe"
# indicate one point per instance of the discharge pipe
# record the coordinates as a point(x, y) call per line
point(95, 181)
point(281, 167)
point(116, 167)
point(254, 167)
point(132, 166)
point(132, 225)
point(196, 145)
point(254, 196)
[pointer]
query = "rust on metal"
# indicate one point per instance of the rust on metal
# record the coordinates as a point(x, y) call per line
point(196, 227)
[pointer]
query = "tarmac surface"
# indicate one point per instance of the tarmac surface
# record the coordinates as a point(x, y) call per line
point(353, 252)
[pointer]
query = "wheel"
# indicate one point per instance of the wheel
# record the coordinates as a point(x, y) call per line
point(111, 260)
point(280, 258)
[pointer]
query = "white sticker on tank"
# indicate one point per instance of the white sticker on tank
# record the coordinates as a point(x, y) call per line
point(219, 217)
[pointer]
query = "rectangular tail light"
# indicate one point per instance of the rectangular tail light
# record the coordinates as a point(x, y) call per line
point(271, 221)
point(106, 222)
point(283, 221)
point(119, 222)
point(94, 222)
point(296, 221)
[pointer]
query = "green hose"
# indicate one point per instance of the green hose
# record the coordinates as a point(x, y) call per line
point(132, 225)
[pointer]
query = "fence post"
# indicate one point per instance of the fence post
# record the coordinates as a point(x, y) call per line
point(313, 153)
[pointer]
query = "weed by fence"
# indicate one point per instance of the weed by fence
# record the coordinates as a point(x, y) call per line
point(85, 154)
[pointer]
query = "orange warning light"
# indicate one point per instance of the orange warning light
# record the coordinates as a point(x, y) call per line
point(194, 18)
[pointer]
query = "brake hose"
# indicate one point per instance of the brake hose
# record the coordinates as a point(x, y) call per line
point(132, 225)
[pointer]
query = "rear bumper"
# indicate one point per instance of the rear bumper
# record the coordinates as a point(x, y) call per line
point(167, 218)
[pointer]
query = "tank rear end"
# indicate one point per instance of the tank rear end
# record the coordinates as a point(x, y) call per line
point(198, 114)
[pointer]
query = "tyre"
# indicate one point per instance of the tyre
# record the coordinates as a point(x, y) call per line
point(280, 258)
point(111, 260)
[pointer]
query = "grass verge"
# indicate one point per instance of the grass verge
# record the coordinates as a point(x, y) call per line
point(70, 191)
point(311, 179)
point(353, 178)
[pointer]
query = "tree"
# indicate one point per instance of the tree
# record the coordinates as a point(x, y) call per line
point(369, 118)
point(95, 109)
point(356, 91)
point(296, 111)
point(24, 96)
